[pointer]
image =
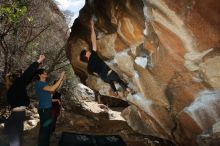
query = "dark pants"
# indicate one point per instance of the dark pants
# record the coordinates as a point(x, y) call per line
point(113, 77)
point(14, 128)
point(55, 114)
point(45, 126)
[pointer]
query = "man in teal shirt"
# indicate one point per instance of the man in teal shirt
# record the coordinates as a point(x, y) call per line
point(44, 92)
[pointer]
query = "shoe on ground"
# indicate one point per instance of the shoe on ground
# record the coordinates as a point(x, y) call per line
point(56, 135)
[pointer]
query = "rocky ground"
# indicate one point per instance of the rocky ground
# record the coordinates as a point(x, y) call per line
point(84, 115)
point(92, 118)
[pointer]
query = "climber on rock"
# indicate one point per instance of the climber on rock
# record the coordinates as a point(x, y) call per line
point(98, 66)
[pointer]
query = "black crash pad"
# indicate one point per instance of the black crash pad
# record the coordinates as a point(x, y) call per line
point(74, 139)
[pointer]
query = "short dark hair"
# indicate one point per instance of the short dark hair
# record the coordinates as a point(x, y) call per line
point(39, 72)
point(83, 57)
point(10, 79)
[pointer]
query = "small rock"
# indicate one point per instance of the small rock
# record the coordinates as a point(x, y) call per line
point(216, 128)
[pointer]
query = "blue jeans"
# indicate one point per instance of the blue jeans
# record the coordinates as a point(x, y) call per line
point(45, 126)
point(14, 127)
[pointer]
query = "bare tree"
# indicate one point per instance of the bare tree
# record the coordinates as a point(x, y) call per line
point(22, 33)
point(16, 31)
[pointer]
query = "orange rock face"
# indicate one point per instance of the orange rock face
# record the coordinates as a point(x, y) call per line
point(168, 52)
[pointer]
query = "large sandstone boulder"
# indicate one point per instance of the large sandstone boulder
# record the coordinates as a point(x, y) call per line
point(168, 52)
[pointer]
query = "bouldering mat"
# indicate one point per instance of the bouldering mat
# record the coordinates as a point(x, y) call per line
point(74, 139)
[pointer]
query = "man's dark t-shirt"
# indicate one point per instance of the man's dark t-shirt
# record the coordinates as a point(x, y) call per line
point(97, 65)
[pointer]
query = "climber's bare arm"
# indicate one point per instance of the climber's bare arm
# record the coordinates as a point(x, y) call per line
point(93, 36)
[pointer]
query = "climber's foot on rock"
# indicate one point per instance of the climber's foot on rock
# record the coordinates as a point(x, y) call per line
point(113, 93)
point(129, 90)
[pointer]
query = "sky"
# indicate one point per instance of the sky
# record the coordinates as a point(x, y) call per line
point(73, 6)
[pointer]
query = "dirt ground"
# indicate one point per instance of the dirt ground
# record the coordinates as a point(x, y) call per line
point(89, 124)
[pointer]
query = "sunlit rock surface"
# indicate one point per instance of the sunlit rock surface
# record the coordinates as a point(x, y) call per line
point(168, 52)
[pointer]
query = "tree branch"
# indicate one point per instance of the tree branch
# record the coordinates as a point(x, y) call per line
point(34, 37)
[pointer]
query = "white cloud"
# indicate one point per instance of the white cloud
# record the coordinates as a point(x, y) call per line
point(71, 5)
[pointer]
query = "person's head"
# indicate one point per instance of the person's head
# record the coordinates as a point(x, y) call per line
point(84, 55)
point(11, 77)
point(41, 74)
